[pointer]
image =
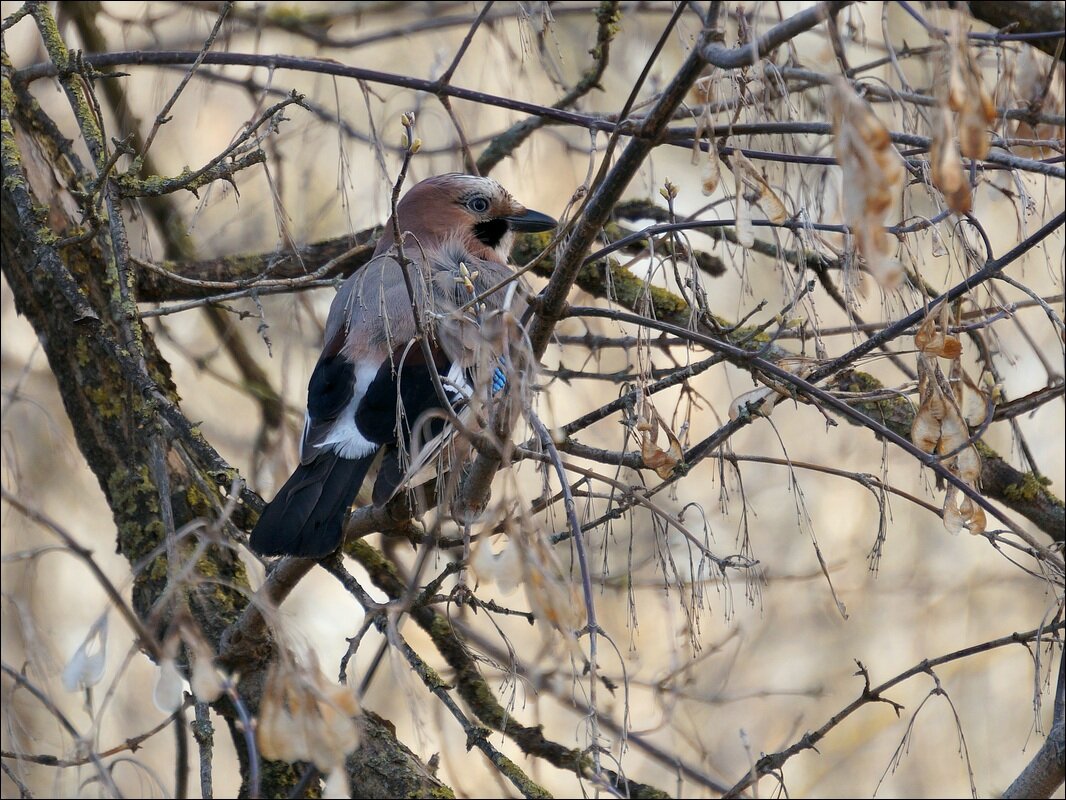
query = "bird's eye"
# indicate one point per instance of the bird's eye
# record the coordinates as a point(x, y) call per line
point(479, 205)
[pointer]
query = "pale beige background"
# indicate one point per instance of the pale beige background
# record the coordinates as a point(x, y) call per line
point(776, 659)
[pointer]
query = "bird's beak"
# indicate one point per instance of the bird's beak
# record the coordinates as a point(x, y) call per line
point(531, 222)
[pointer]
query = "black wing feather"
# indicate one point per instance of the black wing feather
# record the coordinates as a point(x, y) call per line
point(376, 415)
point(330, 388)
point(306, 518)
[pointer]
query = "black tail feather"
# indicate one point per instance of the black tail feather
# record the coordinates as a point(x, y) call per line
point(306, 518)
point(389, 477)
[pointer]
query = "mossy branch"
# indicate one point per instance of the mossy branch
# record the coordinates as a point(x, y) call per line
point(66, 294)
point(1023, 492)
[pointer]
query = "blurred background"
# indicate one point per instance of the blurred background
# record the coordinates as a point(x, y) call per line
point(711, 670)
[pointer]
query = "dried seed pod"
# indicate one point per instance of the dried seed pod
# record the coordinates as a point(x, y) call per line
point(664, 462)
point(1037, 82)
point(964, 92)
point(336, 785)
point(503, 568)
point(952, 516)
point(552, 595)
point(974, 516)
point(873, 175)
point(167, 693)
point(745, 231)
point(933, 340)
point(712, 170)
point(204, 678)
point(939, 424)
point(953, 430)
point(86, 667)
point(925, 429)
point(705, 88)
point(762, 399)
point(305, 717)
point(757, 190)
point(964, 516)
point(946, 165)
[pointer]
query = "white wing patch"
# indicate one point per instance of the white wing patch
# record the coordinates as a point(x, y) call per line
point(344, 437)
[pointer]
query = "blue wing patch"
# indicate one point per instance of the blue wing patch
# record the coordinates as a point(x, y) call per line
point(499, 380)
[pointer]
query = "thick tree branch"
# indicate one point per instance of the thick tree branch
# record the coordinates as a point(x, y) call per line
point(717, 54)
point(66, 296)
point(1026, 16)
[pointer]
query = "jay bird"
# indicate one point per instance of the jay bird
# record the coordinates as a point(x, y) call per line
point(373, 380)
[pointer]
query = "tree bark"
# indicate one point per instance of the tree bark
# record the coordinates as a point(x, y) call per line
point(1026, 16)
point(121, 406)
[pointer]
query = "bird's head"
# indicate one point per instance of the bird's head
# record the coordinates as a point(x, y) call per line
point(477, 212)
